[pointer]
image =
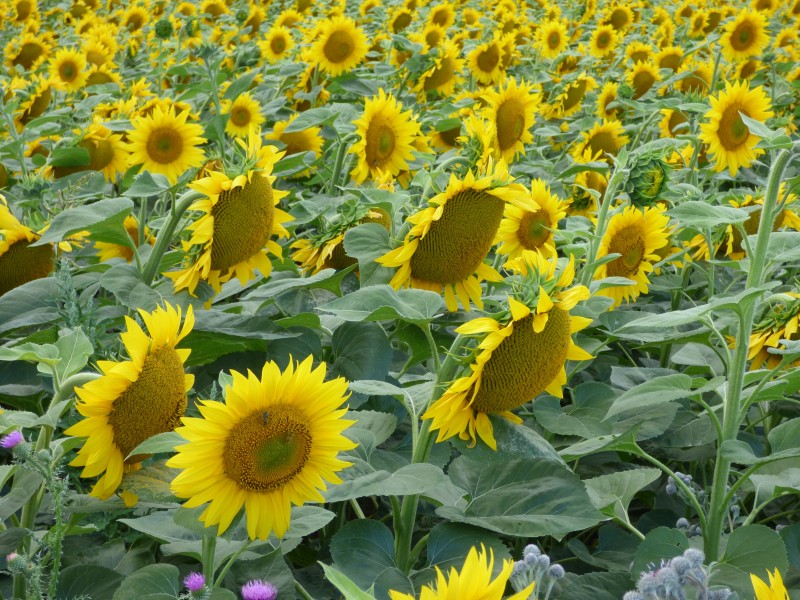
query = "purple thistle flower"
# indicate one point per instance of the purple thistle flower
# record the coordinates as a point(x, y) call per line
point(194, 581)
point(12, 439)
point(258, 589)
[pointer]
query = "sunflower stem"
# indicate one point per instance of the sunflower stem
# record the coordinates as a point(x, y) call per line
point(733, 409)
point(166, 234)
point(341, 150)
point(302, 591)
point(208, 556)
point(229, 563)
point(426, 329)
point(587, 274)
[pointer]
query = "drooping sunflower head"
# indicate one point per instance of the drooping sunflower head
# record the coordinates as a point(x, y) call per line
point(672, 123)
point(569, 101)
point(19, 261)
point(272, 444)
point(730, 141)
point(601, 142)
point(520, 353)
point(606, 96)
point(512, 111)
point(745, 36)
point(134, 399)
point(485, 62)
point(695, 77)
point(387, 135)
point(449, 240)
point(474, 582)
point(239, 218)
point(340, 47)
point(635, 235)
point(780, 322)
point(38, 100)
point(68, 70)
point(244, 114)
point(163, 142)
point(552, 38)
point(530, 221)
point(443, 76)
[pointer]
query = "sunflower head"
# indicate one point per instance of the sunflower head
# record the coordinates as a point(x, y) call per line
point(647, 179)
point(745, 36)
point(272, 444)
point(512, 112)
point(780, 322)
point(340, 47)
point(20, 262)
point(244, 113)
point(530, 221)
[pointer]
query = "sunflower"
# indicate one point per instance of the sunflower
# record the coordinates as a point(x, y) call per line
point(729, 139)
point(445, 73)
point(19, 261)
point(517, 358)
point(673, 122)
point(638, 51)
point(485, 62)
point(387, 137)
point(240, 217)
point(512, 112)
point(745, 36)
point(340, 47)
point(107, 251)
point(569, 101)
point(134, 399)
point(775, 591)
point(670, 57)
point(102, 75)
point(277, 44)
point(326, 250)
point(450, 239)
point(696, 77)
point(165, 143)
point(274, 442)
point(308, 140)
point(619, 16)
point(478, 143)
point(642, 77)
point(748, 68)
point(529, 222)
point(603, 41)
point(400, 19)
point(607, 95)
point(782, 322)
point(601, 142)
point(27, 51)
point(635, 235)
point(474, 582)
point(107, 154)
point(37, 102)
point(552, 38)
point(443, 15)
point(432, 35)
point(587, 191)
point(68, 70)
point(244, 113)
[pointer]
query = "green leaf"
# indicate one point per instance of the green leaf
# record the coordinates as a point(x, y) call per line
point(791, 538)
point(449, 544)
point(740, 452)
point(662, 543)
point(383, 303)
point(596, 167)
point(521, 497)
point(46, 354)
point(785, 437)
point(698, 214)
point(362, 549)
point(371, 428)
point(106, 212)
point(625, 442)
point(32, 303)
point(612, 494)
point(361, 351)
point(311, 118)
point(26, 484)
point(74, 350)
point(148, 184)
point(88, 581)
point(512, 441)
point(366, 243)
point(69, 157)
point(151, 483)
point(344, 584)
point(240, 85)
point(159, 443)
point(750, 549)
point(153, 582)
point(656, 391)
point(327, 279)
point(270, 567)
point(361, 480)
point(592, 586)
point(307, 519)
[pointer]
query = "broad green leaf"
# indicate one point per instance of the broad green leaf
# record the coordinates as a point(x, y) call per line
point(89, 581)
point(73, 220)
point(656, 391)
point(612, 494)
point(74, 350)
point(46, 354)
point(449, 544)
point(361, 351)
point(767, 485)
point(33, 303)
point(750, 549)
point(521, 497)
point(328, 279)
point(151, 483)
point(69, 157)
point(148, 184)
point(697, 214)
point(362, 549)
point(159, 443)
point(311, 118)
point(592, 586)
point(270, 567)
point(153, 582)
point(370, 429)
point(366, 243)
point(307, 519)
point(513, 441)
point(625, 442)
point(361, 480)
point(344, 584)
point(785, 437)
point(240, 85)
point(383, 303)
point(662, 543)
point(25, 484)
point(740, 452)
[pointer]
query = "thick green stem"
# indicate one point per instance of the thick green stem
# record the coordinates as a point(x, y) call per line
point(341, 150)
point(209, 552)
point(165, 236)
point(229, 563)
point(733, 412)
point(587, 274)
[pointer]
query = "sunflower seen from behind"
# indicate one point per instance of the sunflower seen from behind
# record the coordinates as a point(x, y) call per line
point(635, 235)
point(340, 47)
point(387, 135)
point(239, 219)
point(163, 142)
point(134, 399)
point(512, 111)
point(519, 354)
point(272, 444)
point(474, 582)
point(529, 222)
point(449, 240)
point(730, 141)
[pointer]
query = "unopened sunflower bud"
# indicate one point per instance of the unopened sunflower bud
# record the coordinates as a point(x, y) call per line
point(647, 180)
point(164, 29)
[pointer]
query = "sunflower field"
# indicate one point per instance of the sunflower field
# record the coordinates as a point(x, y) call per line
point(398, 299)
